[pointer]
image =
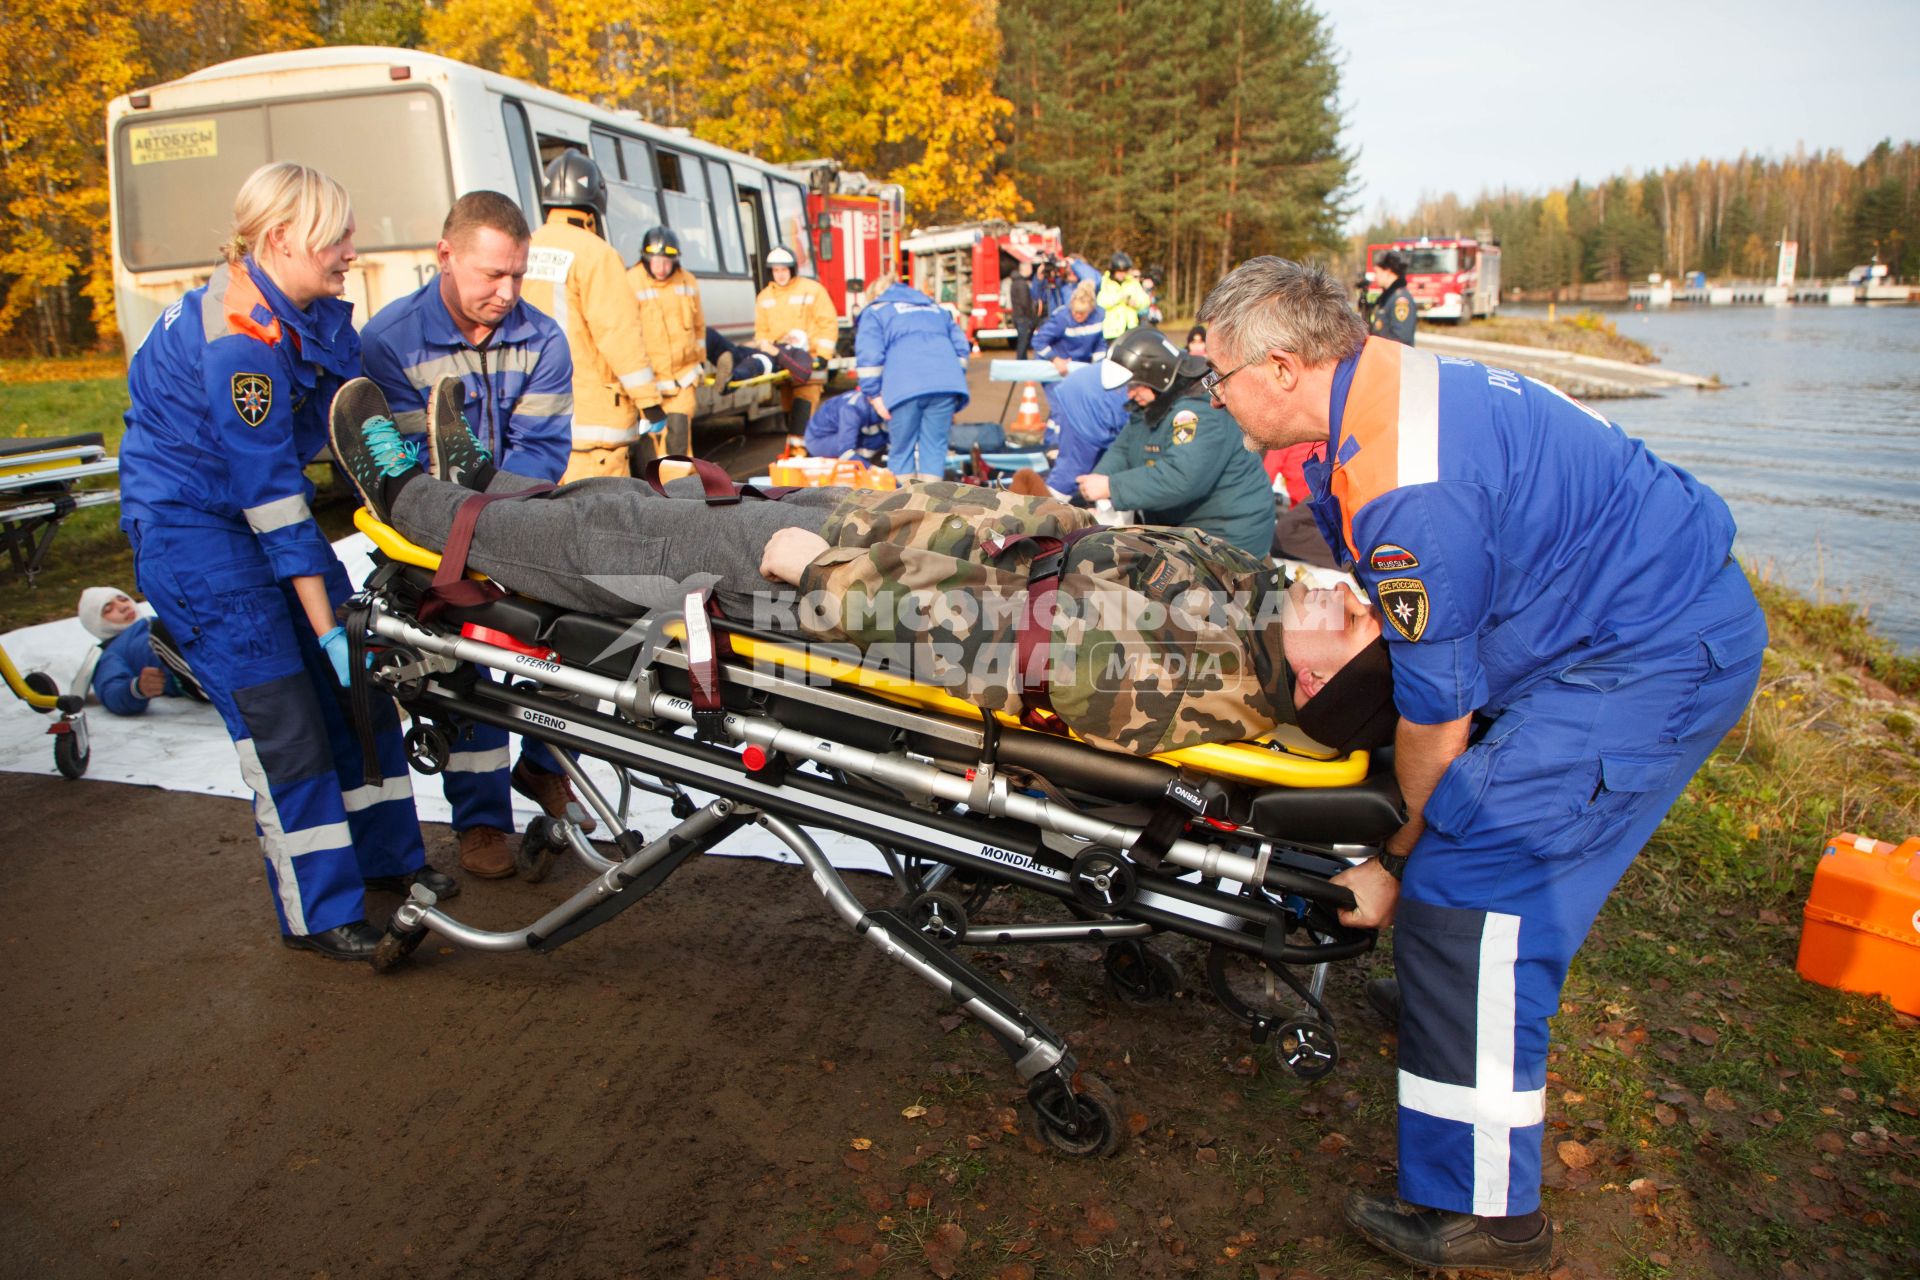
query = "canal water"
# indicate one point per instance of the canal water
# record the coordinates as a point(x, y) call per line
point(1815, 442)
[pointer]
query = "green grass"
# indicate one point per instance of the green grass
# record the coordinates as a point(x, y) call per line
point(57, 398)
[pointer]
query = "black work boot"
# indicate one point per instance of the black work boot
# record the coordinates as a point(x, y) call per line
point(442, 885)
point(354, 940)
point(679, 435)
point(1439, 1239)
point(798, 416)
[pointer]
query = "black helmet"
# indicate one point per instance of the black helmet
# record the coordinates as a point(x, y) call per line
point(1143, 356)
point(1119, 262)
point(661, 240)
point(1392, 261)
point(573, 181)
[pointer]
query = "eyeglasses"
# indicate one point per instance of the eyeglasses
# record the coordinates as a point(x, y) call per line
point(1210, 382)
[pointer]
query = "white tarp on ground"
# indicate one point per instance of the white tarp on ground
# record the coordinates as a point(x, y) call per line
point(181, 745)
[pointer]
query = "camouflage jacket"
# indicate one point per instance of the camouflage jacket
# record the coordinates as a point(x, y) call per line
point(1158, 638)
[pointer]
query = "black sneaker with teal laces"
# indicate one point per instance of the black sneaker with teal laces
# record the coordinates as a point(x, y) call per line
point(454, 453)
point(370, 447)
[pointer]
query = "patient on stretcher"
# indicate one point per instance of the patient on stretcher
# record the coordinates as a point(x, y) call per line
point(1139, 639)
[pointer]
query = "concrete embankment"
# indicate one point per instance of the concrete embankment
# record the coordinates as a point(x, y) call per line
point(1589, 377)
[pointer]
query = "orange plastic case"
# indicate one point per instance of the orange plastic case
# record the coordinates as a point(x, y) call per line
point(814, 473)
point(1861, 930)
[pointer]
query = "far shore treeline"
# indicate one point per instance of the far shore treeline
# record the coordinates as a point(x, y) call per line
point(1192, 133)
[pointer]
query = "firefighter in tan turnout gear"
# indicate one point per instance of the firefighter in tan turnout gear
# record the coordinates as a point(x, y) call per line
point(794, 320)
point(576, 277)
point(675, 327)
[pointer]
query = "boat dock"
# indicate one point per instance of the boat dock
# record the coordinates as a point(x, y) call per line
point(1759, 293)
point(1587, 377)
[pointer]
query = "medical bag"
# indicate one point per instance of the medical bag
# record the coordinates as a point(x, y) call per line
point(1861, 928)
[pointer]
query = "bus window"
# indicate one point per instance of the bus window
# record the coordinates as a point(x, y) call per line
point(683, 193)
point(520, 147)
point(753, 224)
point(790, 210)
point(176, 175)
point(633, 206)
point(726, 213)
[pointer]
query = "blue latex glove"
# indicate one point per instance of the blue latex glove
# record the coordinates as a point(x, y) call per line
point(334, 644)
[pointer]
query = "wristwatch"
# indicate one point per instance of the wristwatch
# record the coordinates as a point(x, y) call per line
point(1395, 864)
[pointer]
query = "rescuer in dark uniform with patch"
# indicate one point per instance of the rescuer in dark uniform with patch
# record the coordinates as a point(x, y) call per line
point(1394, 313)
point(1179, 460)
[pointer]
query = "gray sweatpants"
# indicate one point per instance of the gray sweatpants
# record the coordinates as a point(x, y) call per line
point(611, 545)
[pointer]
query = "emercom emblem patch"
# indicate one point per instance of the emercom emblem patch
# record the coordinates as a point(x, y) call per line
point(1185, 423)
point(252, 397)
point(1404, 602)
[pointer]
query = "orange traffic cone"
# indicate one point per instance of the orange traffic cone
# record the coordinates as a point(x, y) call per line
point(1029, 418)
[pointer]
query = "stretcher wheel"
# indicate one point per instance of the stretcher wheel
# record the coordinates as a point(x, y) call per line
point(538, 848)
point(1079, 1119)
point(428, 749)
point(45, 685)
point(1141, 976)
point(1103, 880)
point(1307, 1047)
point(938, 917)
point(68, 758)
point(394, 947)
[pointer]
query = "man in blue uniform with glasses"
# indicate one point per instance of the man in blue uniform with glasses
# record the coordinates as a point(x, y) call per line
point(1570, 639)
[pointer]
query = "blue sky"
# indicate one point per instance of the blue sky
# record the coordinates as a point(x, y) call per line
point(1472, 95)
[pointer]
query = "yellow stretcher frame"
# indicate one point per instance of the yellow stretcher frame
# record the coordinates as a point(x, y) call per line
point(1274, 761)
point(18, 683)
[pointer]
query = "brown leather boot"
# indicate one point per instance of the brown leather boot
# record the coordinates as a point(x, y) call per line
point(484, 853)
point(551, 791)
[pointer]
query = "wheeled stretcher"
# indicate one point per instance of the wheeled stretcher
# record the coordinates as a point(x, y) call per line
point(1230, 844)
point(39, 482)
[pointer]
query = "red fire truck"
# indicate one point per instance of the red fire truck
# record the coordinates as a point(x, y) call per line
point(855, 226)
point(968, 267)
point(1450, 277)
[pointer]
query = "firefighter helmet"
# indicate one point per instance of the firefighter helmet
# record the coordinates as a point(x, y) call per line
point(573, 181)
point(1119, 262)
point(782, 258)
point(661, 240)
point(1143, 357)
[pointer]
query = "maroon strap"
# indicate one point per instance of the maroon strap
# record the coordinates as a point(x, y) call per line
point(718, 488)
point(1030, 636)
point(451, 587)
point(705, 647)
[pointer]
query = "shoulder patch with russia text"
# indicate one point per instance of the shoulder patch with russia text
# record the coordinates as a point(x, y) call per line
point(1388, 558)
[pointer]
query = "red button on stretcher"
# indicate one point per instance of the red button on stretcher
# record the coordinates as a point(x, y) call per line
point(502, 640)
point(754, 758)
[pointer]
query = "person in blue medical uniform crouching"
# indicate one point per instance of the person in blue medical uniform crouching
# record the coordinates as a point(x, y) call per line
point(1570, 639)
point(230, 395)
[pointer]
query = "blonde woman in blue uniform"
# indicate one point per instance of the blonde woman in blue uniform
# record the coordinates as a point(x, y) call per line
point(230, 394)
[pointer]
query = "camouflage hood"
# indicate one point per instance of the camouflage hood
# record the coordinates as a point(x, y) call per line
point(1157, 639)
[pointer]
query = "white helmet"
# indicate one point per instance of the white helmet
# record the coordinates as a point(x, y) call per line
point(781, 258)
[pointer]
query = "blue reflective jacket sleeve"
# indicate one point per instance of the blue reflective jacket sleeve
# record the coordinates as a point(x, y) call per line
point(264, 470)
point(382, 364)
point(1447, 528)
point(540, 437)
point(1125, 446)
point(870, 351)
point(1049, 333)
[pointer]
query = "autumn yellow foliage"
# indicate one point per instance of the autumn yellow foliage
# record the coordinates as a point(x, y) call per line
point(901, 89)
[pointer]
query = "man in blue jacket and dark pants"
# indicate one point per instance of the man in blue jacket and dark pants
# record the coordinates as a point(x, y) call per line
point(469, 322)
point(911, 358)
